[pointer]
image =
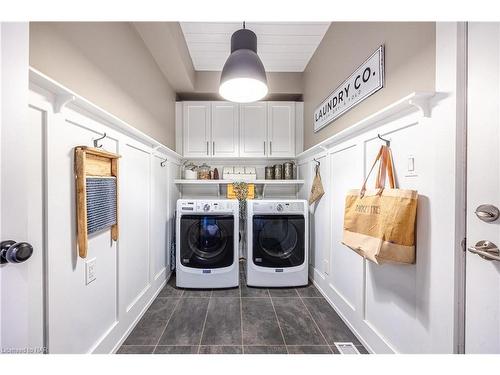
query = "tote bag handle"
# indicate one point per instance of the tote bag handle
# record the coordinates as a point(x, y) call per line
point(386, 167)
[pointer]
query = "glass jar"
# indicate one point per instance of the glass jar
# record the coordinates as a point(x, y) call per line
point(190, 171)
point(204, 172)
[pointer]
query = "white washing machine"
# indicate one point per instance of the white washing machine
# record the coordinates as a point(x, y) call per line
point(207, 243)
point(277, 236)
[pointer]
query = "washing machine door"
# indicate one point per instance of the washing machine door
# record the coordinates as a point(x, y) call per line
point(207, 241)
point(278, 240)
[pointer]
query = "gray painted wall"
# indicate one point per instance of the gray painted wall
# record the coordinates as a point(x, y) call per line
point(111, 65)
point(108, 64)
point(409, 66)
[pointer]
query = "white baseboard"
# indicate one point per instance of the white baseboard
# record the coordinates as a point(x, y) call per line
point(356, 333)
point(141, 314)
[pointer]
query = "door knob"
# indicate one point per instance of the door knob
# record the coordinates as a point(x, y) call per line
point(15, 252)
point(486, 250)
point(487, 213)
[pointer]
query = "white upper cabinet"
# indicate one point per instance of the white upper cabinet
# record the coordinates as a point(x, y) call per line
point(196, 129)
point(229, 130)
point(225, 129)
point(281, 129)
point(253, 130)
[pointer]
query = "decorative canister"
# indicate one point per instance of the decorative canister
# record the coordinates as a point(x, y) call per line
point(204, 172)
point(269, 173)
point(190, 171)
point(278, 172)
point(288, 170)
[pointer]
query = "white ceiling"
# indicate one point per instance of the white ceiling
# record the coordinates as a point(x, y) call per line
point(282, 46)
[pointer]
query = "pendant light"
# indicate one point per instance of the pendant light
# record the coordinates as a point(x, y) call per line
point(243, 78)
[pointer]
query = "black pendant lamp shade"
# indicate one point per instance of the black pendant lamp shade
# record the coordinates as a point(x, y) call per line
point(243, 77)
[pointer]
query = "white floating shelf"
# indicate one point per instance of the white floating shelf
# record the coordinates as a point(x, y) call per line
point(226, 182)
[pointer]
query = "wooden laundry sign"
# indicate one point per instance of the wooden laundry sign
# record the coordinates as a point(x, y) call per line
point(366, 80)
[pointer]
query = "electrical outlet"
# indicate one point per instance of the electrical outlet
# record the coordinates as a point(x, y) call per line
point(90, 271)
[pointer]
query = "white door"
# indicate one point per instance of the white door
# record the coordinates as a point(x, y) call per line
point(281, 129)
point(482, 313)
point(196, 129)
point(21, 193)
point(225, 129)
point(253, 130)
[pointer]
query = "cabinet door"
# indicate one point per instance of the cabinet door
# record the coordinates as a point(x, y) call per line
point(196, 129)
point(225, 129)
point(281, 129)
point(253, 130)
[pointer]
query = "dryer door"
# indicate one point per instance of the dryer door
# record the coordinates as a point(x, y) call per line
point(278, 240)
point(207, 241)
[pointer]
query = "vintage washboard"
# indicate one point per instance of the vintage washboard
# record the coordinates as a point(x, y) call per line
point(96, 175)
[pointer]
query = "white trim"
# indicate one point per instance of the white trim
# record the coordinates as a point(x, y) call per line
point(318, 286)
point(461, 183)
point(299, 127)
point(43, 99)
point(65, 97)
point(179, 127)
point(139, 317)
point(226, 182)
point(416, 100)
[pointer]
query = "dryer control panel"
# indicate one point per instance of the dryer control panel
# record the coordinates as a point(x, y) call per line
point(207, 206)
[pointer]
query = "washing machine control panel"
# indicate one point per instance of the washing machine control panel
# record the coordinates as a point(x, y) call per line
point(209, 206)
point(279, 207)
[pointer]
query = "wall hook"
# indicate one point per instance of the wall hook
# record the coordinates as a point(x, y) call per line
point(318, 163)
point(96, 145)
point(387, 141)
point(162, 163)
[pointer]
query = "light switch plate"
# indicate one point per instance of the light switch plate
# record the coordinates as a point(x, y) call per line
point(90, 271)
point(410, 170)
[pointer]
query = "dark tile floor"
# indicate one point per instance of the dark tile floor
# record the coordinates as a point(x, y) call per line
point(242, 320)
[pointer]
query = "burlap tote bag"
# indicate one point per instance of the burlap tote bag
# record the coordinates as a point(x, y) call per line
point(317, 190)
point(379, 224)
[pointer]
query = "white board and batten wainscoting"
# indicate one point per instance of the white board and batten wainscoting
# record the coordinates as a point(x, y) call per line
point(96, 317)
point(398, 308)
point(389, 307)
